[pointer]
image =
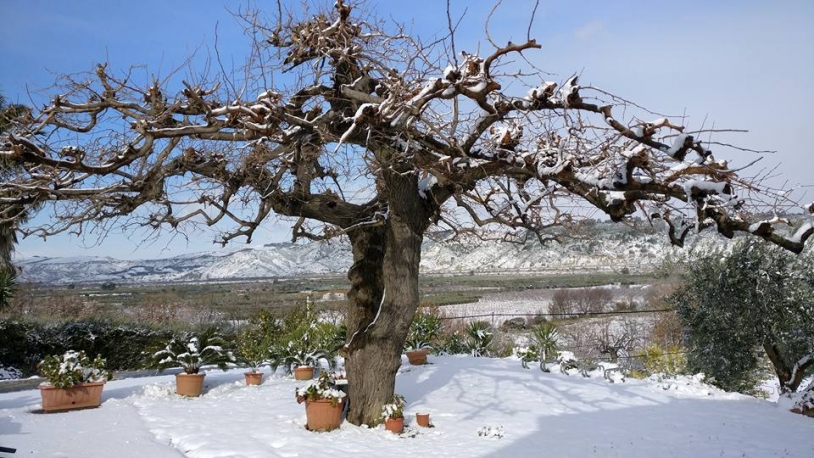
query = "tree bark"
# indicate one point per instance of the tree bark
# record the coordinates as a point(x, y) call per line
point(780, 367)
point(378, 323)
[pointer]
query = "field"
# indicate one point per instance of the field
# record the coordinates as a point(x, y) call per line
point(237, 300)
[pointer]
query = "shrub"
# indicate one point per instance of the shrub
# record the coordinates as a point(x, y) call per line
point(254, 343)
point(24, 343)
point(670, 362)
point(320, 389)
point(20, 346)
point(72, 368)
point(394, 409)
point(452, 343)
point(580, 301)
point(425, 330)
point(304, 340)
point(479, 338)
point(543, 346)
point(191, 351)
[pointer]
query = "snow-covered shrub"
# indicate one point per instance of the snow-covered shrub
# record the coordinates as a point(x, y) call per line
point(10, 373)
point(319, 389)
point(479, 338)
point(73, 368)
point(394, 409)
point(20, 345)
point(543, 346)
point(304, 340)
point(425, 330)
point(452, 343)
point(191, 351)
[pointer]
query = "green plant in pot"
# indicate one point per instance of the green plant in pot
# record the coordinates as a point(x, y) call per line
point(424, 330)
point(304, 343)
point(323, 403)
point(393, 414)
point(73, 381)
point(190, 352)
point(252, 349)
point(303, 359)
point(416, 351)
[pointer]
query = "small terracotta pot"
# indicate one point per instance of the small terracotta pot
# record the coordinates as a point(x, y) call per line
point(417, 357)
point(423, 419)
point(395, 425)
point(253, 378)
point(322, 416)
point(304, 373)
point(76, 397)
point(189, 384)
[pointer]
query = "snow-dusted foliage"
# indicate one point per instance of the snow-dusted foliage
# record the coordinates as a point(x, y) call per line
point(321, 389)
point(394, 409)
point(72, 368)
point(191, 351)
point(755, 296)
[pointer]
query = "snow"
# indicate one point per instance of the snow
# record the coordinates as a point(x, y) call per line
point(569, 88)
point(703, 186)
point(425, 184)
point(540, 91)
point(804, 229)
point(479, 406)
point(677, 144)
point(479, 87)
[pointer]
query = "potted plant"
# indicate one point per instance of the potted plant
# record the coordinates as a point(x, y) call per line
point(252, 349)
point(73, 381)
point(304, 342)
point(323, 404)
point(425, 328)
point(393, 414)
point(190, 351)
point(303, 359)
point(416, 351)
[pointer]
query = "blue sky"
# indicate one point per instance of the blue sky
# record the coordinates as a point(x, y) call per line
point(742, 64)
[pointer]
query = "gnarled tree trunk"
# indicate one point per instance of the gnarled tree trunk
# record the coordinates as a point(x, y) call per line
point(383, 299)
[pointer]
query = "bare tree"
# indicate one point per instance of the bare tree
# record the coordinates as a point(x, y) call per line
point(361, 131)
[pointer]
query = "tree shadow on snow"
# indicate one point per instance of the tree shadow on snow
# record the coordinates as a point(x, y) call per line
point(695, 427)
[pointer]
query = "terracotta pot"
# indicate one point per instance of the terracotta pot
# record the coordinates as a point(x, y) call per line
point(304, 373)
point(253, 378)
point(417, 357)
point(76, 397)
point(189, 384)
point(395, 425)
point(423, 419)
point(322, 416)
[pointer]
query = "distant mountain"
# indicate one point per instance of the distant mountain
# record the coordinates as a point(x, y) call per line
point(604, 247)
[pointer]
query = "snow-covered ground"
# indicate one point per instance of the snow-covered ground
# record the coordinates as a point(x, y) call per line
point(525, 413)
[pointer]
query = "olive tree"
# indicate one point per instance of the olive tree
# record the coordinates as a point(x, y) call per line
point(356, 129)
point(756, 297)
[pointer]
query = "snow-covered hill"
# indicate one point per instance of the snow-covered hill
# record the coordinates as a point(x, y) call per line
point(606, 247)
